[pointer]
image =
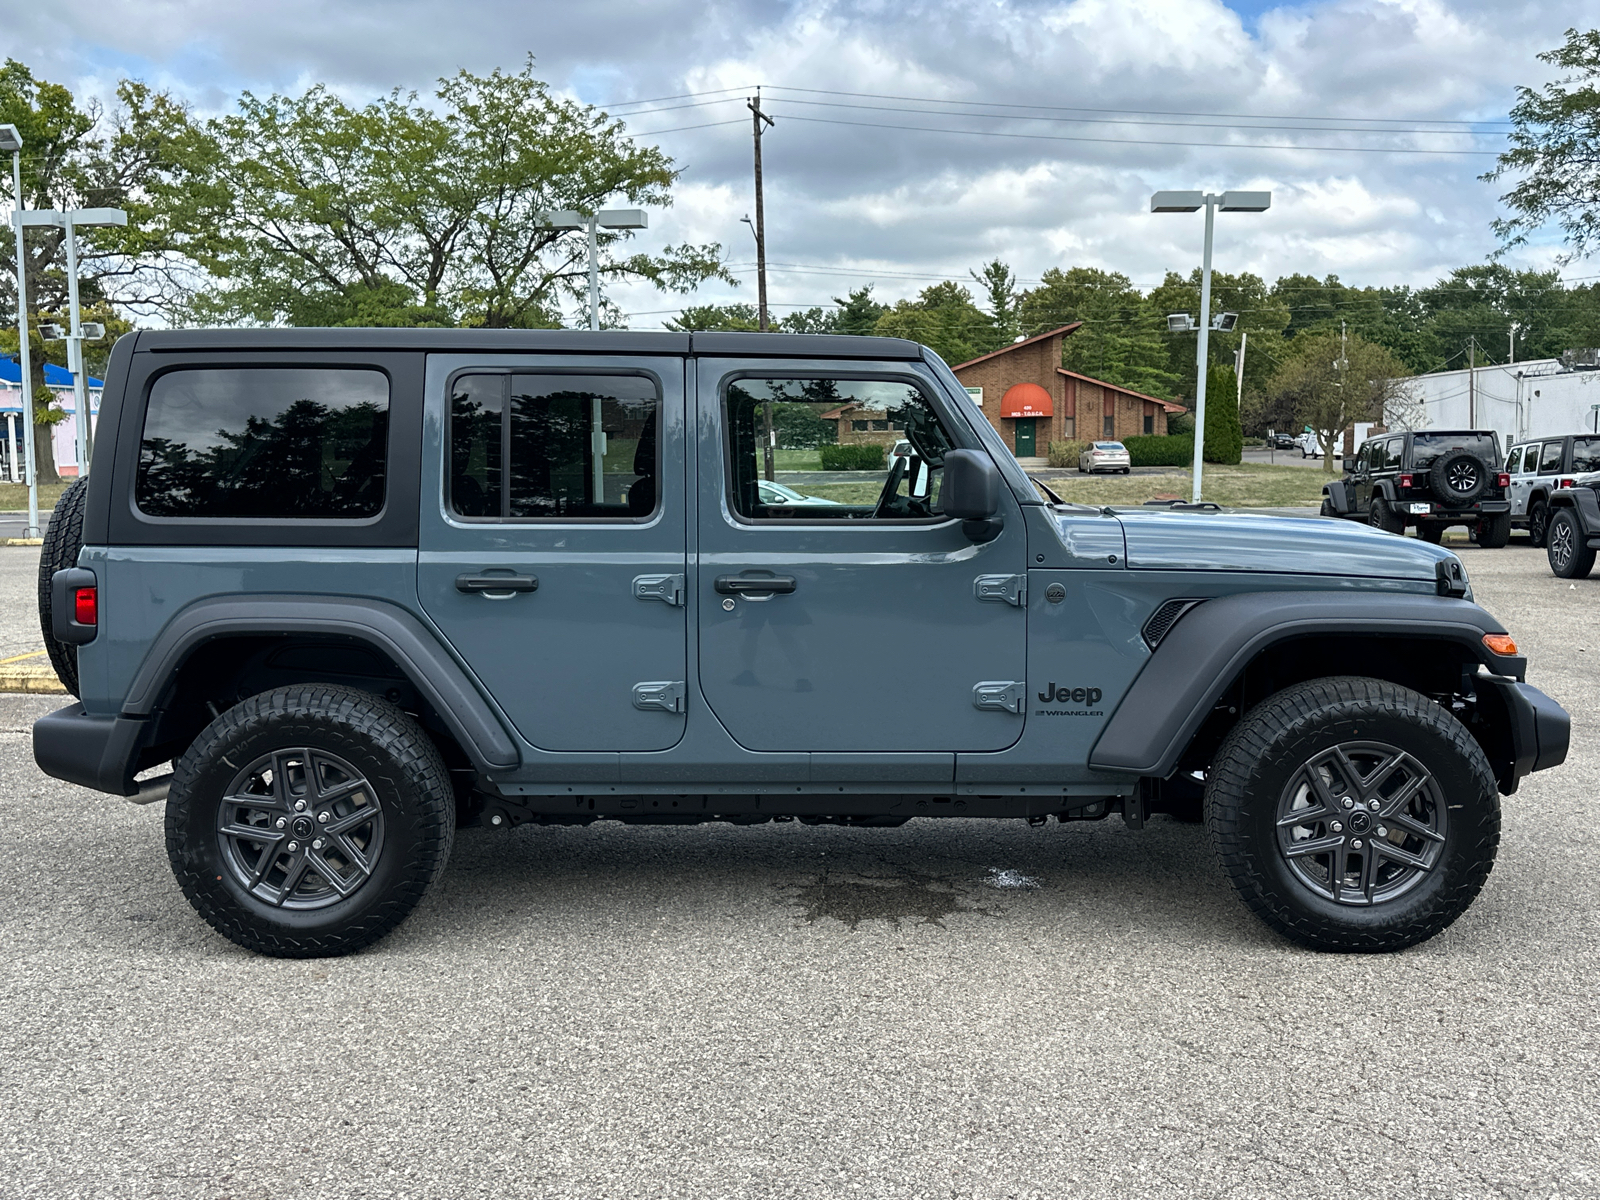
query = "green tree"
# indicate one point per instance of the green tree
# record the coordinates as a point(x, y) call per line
point(1330, 386)
point(858, 312)
point(1555, 152)
point(716, 318)
point(1260, 314)
point(945, 319)
point(306, 210)
point(1000, 288)
point(1122, 339)
point(1224, 438)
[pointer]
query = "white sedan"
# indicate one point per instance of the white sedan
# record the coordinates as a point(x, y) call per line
point(1105, 456)
point(776, 495)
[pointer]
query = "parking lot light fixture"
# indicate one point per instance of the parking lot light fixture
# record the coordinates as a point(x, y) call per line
point(1186, 202)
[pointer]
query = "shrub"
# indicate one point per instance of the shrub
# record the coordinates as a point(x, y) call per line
point(1224, 441)
point(1065, 454)
point(859, 457)
point(1152, 450)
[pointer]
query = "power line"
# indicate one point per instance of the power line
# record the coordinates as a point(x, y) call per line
point(1060, 137)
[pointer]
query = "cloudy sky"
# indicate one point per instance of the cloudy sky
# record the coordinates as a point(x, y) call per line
point(920, 138)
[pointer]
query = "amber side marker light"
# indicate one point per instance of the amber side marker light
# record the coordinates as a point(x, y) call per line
point(1500, 643)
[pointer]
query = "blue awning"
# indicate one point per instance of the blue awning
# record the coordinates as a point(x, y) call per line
point(54, 376)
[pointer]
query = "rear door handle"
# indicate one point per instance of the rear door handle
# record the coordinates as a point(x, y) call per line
point(496, 586)
point(754, 585)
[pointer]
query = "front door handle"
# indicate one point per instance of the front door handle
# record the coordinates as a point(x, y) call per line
point(754, 585)
point(496, 587)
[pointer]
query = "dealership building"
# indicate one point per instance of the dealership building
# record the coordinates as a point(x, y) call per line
point(1033, 400)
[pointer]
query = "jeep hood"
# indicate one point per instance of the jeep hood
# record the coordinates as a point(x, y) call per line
point(1162, 540)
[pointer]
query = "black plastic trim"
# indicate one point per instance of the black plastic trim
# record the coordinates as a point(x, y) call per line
point(1205, 652)
point(509, 341)
point(64, 626)
point(102, 466)
point(387, 627)
point(94, 752)
point(1586, 504)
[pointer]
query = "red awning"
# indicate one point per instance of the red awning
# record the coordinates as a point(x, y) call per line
point(1026, 400)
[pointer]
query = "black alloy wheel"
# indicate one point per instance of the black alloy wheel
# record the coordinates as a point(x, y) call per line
point(1538, 522)
point(1565, 548)
point(309, 821)
point(1353, 814)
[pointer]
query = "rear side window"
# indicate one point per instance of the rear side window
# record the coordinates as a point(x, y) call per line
point(266, 442)
point(553, 447)
point(1585, 455)
point(1550, 458)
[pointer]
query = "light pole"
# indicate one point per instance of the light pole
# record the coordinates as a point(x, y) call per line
point(606, 218)
point(1166, 202)
point(11, 140)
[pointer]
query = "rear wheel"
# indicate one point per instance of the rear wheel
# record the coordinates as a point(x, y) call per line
point(1538, 522)
point(1569, 557)
point(1495, 531)
point(309, 821)
point(1381, 515)
point(1353, 814)
point(1431, 532)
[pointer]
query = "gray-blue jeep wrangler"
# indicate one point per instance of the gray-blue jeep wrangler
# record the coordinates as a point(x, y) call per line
point(361, 587)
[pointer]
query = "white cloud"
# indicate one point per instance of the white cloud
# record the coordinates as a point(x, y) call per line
point(900, 200)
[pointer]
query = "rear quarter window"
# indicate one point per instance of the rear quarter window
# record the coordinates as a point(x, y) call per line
point(265, 442)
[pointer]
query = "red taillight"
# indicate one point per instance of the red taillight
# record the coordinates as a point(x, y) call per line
point(1503, 480)
point(1566, 483)
point(86, 606)
point(1405, 481)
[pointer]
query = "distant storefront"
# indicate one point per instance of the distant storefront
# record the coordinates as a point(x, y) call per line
point(63, 434)
point(1033, 400)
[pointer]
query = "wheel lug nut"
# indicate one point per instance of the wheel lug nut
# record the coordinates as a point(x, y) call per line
point(282, 821)
point(1337, 826)
point(299, 806)
point(323, 817)
point(1349, 803)
point(1382, 832)
point(1373, 805)
point(292, 847)
point(317, 845)
point(1355, 843)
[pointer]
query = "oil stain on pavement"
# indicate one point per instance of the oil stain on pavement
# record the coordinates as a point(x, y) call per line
point(922, 899)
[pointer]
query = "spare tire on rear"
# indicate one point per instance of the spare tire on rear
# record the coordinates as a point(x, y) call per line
point(63, 538)
point(1459, 477)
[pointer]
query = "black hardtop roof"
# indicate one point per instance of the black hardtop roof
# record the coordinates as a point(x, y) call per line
point(1552, 437)
point(604, 341)
point(1381, 437)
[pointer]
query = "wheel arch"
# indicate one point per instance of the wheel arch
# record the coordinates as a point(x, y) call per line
point(1225, 655)
point(251, 644)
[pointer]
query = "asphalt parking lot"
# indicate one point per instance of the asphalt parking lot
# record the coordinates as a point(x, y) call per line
point(794, 1011)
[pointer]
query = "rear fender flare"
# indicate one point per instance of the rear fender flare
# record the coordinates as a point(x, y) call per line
point(1214, 642)
point(386, 627)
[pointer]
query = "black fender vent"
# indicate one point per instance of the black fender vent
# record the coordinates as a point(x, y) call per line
point(1164, 618)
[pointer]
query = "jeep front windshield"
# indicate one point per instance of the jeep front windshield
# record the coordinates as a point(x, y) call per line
point(1426, 447)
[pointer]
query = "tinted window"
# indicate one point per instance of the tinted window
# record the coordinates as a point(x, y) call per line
point(1426, 447)
point(1550, 458)
point(805, 416)
point(265, 442)
point(1377, 455)
point(1397, 451)
point(1585, 454)
point(1514, 460)
point(553, 447)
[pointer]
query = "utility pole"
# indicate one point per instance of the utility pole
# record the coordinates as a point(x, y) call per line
point(1511, 342)
point(1472, 382)
point(756, 118)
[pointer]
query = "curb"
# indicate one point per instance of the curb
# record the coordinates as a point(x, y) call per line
point(30, 679)
point(21, 541)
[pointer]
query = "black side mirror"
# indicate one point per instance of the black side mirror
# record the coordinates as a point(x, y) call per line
point(971, 491)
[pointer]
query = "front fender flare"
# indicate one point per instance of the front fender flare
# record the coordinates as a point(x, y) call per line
point(1213, 642)
point(1337, 496)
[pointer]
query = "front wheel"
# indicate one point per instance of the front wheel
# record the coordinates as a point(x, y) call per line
point(309, 821)
point(1353, 814)
point(1569, 557)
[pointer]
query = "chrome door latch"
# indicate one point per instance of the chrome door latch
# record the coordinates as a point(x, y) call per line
point(1004, 695)
point(663, 696)
point(666, 588)
point(1010, 589)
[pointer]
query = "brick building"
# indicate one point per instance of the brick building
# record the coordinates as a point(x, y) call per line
point(1033, 400)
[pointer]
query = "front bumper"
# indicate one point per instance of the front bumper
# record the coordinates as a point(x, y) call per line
point(1539, 729)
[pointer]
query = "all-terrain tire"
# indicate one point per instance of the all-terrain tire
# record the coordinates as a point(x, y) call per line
point(1569, 557)
point(1327, 509)
point(1459, 477)
point(1431, 532)
point(405, 780)
point(63, 538)
point(1494, 532)
point(1381, 515)
point(1253, 777)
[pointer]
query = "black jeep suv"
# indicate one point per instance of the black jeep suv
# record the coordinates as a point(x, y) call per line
point(1432, 480)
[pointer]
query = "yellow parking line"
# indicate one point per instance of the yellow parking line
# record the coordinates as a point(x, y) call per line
point(20, 657)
